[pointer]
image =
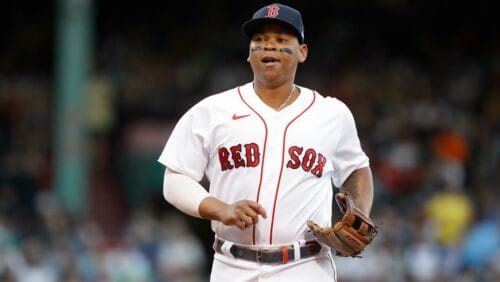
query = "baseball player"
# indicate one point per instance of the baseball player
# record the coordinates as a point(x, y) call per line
point(270, 150)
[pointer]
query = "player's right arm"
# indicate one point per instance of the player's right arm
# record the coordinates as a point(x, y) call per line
point(187, 195)
point(242, 213)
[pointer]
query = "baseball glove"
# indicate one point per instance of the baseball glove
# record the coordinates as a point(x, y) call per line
point(351, 234)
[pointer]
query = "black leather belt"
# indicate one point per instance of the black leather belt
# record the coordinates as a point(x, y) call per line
point(272, 256)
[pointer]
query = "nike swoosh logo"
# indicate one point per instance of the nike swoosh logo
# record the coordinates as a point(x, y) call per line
point(235, 117)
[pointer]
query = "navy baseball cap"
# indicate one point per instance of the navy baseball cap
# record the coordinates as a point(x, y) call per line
point(276, 13)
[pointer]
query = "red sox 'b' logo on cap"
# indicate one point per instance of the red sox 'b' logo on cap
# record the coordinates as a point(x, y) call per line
point(272, 11)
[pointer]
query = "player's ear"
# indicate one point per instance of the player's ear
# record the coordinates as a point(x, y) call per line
point(303, 50)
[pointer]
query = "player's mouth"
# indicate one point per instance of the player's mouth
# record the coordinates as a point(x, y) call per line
point(269, 60)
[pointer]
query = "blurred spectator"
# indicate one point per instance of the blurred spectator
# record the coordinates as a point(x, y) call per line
point(180, 254)
point(450, 146)
point(422, 257)
point(101, 104)
point(401, 171)
point(481, 244)
point(32, 262)
point(451, 211)
point(123, 261)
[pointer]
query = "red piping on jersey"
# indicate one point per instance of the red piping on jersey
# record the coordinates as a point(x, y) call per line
point(263, 155)
point(283, 165)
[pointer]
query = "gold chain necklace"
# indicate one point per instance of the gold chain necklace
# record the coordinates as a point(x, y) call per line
point(287, 99)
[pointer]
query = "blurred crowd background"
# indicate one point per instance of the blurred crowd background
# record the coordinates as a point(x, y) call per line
point(422, 79)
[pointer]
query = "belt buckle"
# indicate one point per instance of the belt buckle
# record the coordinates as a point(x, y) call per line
point(271, 259)
point(258, 256)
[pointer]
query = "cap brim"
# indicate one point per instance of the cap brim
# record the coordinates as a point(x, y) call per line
point(250, 27)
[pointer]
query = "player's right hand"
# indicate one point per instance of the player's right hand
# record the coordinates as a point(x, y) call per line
point(242, 214)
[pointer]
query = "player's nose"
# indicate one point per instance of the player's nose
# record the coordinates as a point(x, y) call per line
point(269, 46)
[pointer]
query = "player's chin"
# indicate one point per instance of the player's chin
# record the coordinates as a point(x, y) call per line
point(271, 70)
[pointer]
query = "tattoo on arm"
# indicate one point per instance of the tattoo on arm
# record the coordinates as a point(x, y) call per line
point(360, 186)
point(351, 186)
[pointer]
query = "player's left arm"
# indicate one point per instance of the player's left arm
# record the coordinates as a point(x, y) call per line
point(359, 185)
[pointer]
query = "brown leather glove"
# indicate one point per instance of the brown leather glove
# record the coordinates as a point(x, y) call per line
point(351, 234)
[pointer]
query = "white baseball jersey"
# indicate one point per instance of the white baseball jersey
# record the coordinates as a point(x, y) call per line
point(283, 160)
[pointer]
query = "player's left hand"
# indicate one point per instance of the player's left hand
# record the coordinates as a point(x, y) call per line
point(351, 234)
